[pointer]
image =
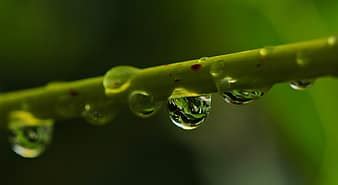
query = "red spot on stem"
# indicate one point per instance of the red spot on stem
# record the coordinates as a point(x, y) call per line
point(73, 92)
point(196, 67)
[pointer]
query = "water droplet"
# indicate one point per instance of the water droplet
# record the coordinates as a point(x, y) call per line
point(99, 114)
point(143, 104)
point(301, 59)
point(30, 135)
point(217, 69)
point(332, 41)
point(301, 84)
point(189, 112)
point(116, 80)
point(203, 59)
point(225, 83)
point(241, 97)
point(263, 52)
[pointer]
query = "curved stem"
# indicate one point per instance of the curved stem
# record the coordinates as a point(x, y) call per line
point(251, 69)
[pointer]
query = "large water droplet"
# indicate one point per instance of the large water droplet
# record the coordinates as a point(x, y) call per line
point(98, 114)
point(241, 97)
point(301, 84)
point(116, 80)
point(30, 135)
point(143, 104)
point(189, 112)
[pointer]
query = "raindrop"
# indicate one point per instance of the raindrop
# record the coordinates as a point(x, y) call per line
point(117, 79)
point(301, 84)
point(143, 104)
point(29, 135)
point(241, 97)
point(97, 114)
point(189, 112)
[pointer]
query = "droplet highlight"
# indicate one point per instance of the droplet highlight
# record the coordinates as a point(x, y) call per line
point(189, 112)
point(241, 97)
point(143, 104)
point(300, 85)
point(30, 136)
point(98, 114)
point(332, 41)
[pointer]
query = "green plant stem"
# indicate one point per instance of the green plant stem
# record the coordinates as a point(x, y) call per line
point(251, 69)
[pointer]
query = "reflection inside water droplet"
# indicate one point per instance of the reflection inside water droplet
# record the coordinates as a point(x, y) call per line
point(240, 97)
point(143, 104)
point(30, 136)
point(189, 112)
point(301, 84)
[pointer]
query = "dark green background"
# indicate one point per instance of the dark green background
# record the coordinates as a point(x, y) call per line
point(286, 138)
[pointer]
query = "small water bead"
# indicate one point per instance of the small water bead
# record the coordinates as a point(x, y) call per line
point(301, 84)
point(203, 59)
point(116, 80)
point(143, 104)
point(217, 69)
point(99, 114)
point(332, 41)
point(302, 59)
point(241, 97)
point(189, 112)
point(30, 136)
point(225, 83)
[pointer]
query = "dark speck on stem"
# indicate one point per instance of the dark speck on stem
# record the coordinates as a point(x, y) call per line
point(196, 67)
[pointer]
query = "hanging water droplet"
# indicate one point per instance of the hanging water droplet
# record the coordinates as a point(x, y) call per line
point(301, 84)
point(189, 112)
point(116, 80)
point(97, 114)
point(225, 83)
point(302, 59)
point(217, 69)
point(30, 135)
point(241, 97)
point(143, 104)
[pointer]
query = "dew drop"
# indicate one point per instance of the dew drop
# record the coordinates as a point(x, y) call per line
point(29, 135)
point(302, 59)
point(241, 97)
point(189, 112)
point(203, 59)
point(263, 52)
point(116, 80)
point(217, 69)
point(225, 83)
point(301, 84)
point(97, 114)
point(143, 104)
point(332, 41)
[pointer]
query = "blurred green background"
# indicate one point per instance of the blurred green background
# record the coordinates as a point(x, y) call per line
point(287, 138)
